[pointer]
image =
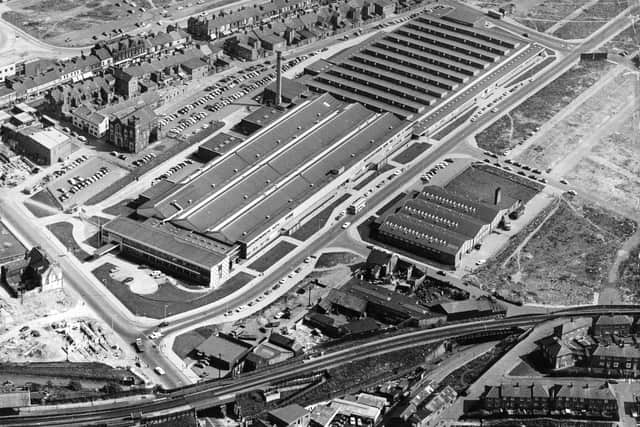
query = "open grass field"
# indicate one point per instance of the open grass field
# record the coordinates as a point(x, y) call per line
point(75, 22)
point(175, 300)
point(273, 255)
point(591, 19)
point(480, 182)
point(523, 121)
point(562, 258)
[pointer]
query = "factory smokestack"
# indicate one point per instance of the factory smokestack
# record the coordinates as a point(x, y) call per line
point(278, 99)
point(497, 197)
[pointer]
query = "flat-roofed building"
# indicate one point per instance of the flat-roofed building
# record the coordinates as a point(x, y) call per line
point(44, 146)
point(171, 249)
point(223, 352)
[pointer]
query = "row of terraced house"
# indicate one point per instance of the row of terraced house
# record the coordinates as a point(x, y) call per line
point(34, 78)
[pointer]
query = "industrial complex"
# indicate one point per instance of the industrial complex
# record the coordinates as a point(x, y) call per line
point(247, 197)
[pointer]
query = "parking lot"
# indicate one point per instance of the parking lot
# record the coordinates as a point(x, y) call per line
point(240, 88)
point(80, 178)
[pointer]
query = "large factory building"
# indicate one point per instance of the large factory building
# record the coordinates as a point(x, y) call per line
point(267, 186)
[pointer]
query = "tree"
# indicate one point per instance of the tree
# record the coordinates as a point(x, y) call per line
point(75, 385)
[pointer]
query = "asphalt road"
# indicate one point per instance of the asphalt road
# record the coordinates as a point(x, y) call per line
point(395, 186)
point(77, 278)
point(128, 329)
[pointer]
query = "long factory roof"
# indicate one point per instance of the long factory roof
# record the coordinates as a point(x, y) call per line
point(242, 193)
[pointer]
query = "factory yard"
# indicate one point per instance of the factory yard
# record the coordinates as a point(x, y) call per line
point(529, 269)
point(521, 123)
point(74, 23)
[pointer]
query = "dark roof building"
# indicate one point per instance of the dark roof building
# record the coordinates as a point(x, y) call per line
point(291, 90)
point(220, 144)
point(223, 351)
point(437, 224)
point(471, 309)
point(289, 416)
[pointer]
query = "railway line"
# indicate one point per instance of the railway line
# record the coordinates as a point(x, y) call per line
point(214, 393)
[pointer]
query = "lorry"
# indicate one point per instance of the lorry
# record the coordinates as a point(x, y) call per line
point(139, 345)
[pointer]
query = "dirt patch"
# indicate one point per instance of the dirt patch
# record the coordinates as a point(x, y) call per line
point(523, 121)
point(570, 136)
point(629, 275)
point(627, 40)
point(547, 13)
point(563, 263)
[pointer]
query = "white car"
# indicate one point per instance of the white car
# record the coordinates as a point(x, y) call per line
point(346, 224)
point(481, 262)
point(159, 370)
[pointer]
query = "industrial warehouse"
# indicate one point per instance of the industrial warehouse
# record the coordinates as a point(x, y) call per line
point(414, 69)
point(439, 224)
point(246, 198)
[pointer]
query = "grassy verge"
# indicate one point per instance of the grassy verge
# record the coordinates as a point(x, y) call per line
point(411, 152)
point(334, 259)
point(63, 232)
point(82, 370)
point(524, 120)
point(454, 124)
point(175, 300)
point(44, 196)
point(36, 210)
point(273, 255)
point(314, 225)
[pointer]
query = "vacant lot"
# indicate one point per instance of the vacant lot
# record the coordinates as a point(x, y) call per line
point(626, 40)
point(591, 19)
point(175, 300)
point(273, 255)
point(185, 343)
point(546, 13)
point(523, 121)
point(74, 22)
point(629, 274)
point(564, 262)
point(63, 232)
point(614, 187)
point(576, 133)
point(480, 183)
